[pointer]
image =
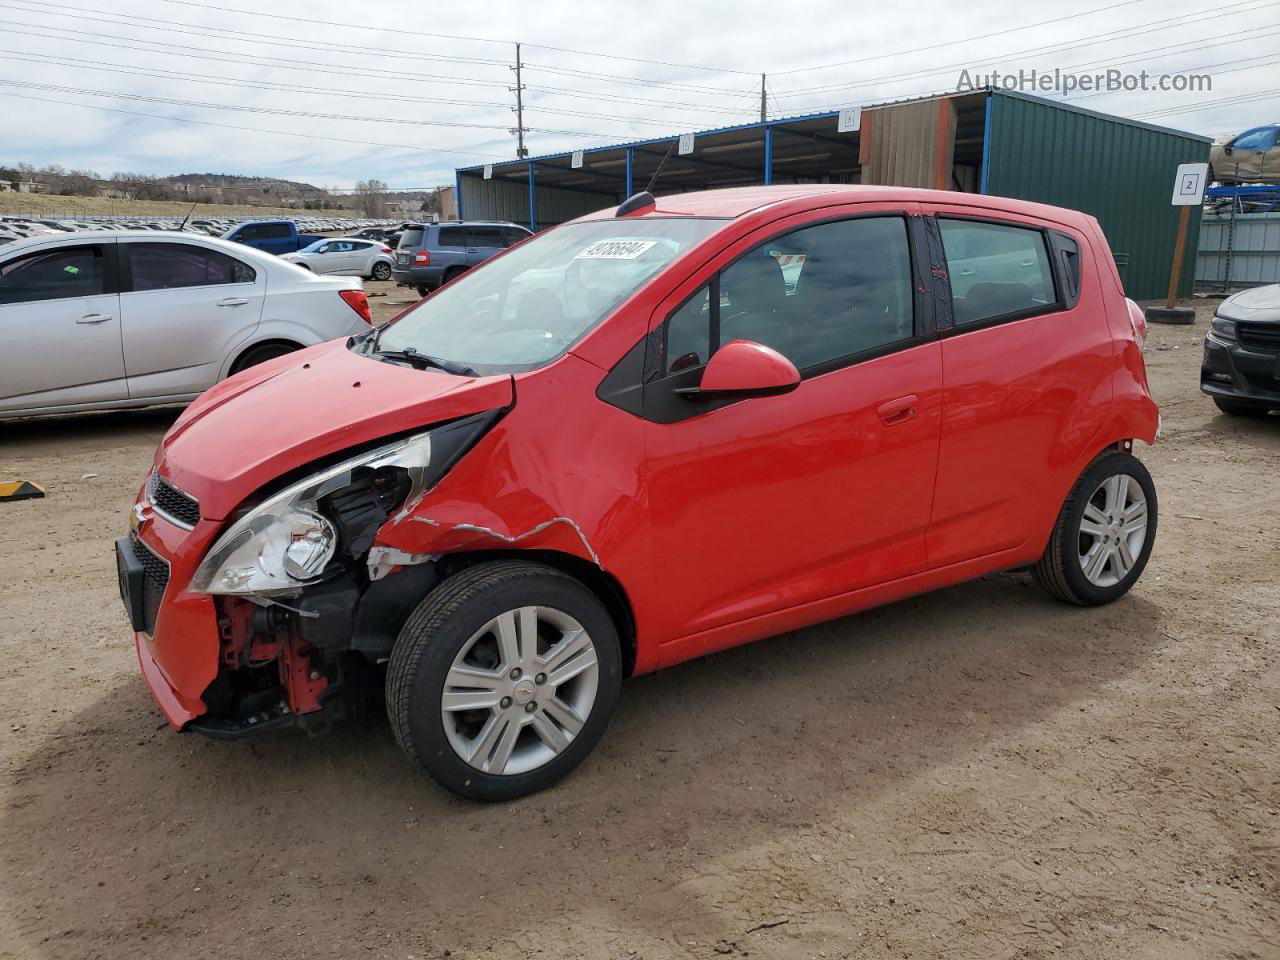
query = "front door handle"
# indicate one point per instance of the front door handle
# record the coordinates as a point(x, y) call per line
point(233, 302)
point(94, 318)
point(898, 411)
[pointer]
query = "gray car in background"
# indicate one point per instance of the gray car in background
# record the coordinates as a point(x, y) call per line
point(431, 254)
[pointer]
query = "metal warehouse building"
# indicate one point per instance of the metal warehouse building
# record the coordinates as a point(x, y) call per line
point(988, 141)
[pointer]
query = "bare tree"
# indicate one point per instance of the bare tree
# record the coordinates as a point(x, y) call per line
point(370, 197)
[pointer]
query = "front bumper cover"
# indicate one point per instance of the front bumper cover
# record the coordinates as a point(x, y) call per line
point(1240, 373)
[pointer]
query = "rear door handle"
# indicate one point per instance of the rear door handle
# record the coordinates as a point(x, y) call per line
point(233, 302)
point(94, 318)
point(898, 411)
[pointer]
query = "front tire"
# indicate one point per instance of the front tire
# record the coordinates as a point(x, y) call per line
point(382, 271)
point(1104, 533)
point(261, 354)
point(503, 679)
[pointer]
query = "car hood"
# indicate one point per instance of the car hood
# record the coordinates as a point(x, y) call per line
point(302, 407)
point(1259, 305)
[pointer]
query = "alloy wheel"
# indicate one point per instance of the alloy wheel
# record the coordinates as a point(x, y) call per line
point(519, 690)
point(1113, 530)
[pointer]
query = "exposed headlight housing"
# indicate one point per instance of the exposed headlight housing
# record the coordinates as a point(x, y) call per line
point(1223, 329)
point(290, 539)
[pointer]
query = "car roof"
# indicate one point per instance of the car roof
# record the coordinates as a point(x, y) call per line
point(97, 236)
point(737, 202)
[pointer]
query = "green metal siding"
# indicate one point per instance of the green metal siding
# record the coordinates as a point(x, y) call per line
point(1120, 172)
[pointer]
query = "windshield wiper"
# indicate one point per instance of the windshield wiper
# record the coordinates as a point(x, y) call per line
point(423, 361)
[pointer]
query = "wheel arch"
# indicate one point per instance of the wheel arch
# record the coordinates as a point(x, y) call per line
point(606, 587)
point(248, 348)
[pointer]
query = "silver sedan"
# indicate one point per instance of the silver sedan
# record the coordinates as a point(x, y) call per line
point(349, 256)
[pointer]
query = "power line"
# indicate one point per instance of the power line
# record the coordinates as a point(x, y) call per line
point(245, 36)
point(247, 59)
point(280, 112)
point(1203, 105)
point(447, 36)
point(229, 126)
point(1107, 37)
point(380, 96)
point(952, 43)
point(638, 81)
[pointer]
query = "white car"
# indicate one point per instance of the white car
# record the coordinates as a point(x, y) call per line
point(115, 319)
point(371, 259)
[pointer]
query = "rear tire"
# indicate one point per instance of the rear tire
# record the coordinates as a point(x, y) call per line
point(1236, 408)
point(1103, 535)
point(261, 354)
point(381, 271)
point(423, 290)
point(452, 274)
point(492, 715)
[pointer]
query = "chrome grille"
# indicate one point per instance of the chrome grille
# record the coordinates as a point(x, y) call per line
point(172, 504)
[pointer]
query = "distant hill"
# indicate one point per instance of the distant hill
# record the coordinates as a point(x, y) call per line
point(223, 180)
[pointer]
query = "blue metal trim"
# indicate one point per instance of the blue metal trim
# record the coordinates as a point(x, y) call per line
point(768, 155)
point(457, 193)
point(533, 202)
point(986, 145)
point(630, 181)
point(757, 125)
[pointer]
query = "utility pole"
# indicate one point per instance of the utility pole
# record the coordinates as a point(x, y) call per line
point(521, 152)
point(764, 101)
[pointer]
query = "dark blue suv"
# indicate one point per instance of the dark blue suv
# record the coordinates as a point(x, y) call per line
point(430, 254)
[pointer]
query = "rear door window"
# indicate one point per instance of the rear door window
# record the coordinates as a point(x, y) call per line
point(167, 266)
point(58, 274)
point(996, 270)
point(454, 237)
point(487, 236)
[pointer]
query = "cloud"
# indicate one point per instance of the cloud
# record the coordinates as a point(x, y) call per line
point(415, 85)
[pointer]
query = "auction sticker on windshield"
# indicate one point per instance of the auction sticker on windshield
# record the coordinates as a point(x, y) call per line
point(616, 249)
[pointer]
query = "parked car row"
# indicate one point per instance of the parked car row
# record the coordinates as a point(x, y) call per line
point(13, 227)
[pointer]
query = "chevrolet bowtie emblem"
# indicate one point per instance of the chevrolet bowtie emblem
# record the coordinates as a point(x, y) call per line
point(137, 517)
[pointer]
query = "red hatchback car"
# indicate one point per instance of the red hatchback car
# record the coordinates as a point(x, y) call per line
point(643, 436)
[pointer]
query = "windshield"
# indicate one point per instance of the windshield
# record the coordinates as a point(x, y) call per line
point(529, 306)
point(314, 246)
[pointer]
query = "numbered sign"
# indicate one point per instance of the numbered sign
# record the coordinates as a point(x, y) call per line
point(850, 118)
point(488, 171)
point(686, 143)
point(576, 160)
point(1189, 184)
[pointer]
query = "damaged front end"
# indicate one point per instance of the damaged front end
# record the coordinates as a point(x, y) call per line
point(306, 605)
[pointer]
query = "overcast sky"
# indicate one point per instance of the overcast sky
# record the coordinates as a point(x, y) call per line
point(407, 106)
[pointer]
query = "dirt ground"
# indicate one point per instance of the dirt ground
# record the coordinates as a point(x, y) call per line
point(979, 773)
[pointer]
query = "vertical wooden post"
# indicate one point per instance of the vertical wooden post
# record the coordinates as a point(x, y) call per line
point(1179, 249)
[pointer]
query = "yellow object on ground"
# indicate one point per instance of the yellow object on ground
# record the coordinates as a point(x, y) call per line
point(20, 490)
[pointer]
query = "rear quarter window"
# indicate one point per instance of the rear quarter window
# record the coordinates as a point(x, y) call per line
point(996, 269)
point(412, 238)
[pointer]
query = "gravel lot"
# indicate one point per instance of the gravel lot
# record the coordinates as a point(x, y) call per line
point(979, 773)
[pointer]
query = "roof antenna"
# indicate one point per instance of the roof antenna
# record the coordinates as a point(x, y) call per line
point(661, 163)
point(183, 225)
